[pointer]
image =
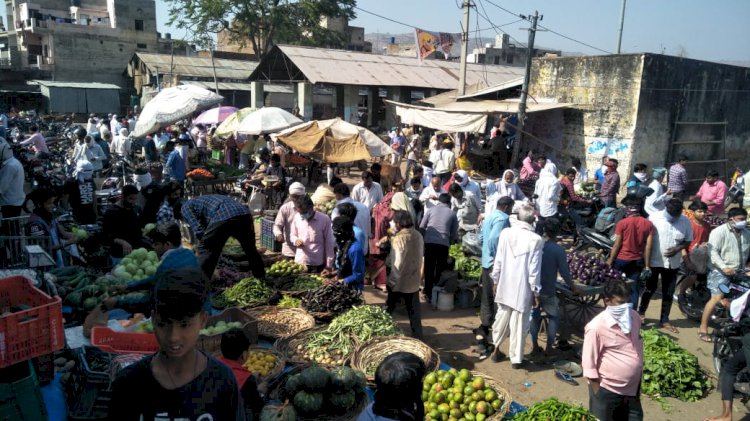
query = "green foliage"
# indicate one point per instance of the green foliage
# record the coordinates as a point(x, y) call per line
point(669, 370)
point(261, 23)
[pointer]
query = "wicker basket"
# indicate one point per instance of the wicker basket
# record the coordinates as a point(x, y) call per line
point(374, 351)
point(501, 393)
point(280, 361)
point(267, 328)
point(212, 344)
point(288, 347)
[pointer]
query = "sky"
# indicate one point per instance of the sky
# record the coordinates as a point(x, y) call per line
point(707, 30)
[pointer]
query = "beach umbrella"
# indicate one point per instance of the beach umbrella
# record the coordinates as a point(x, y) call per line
point(267, 120)
point(230, 125)
point(214, 115)
point(171, 105)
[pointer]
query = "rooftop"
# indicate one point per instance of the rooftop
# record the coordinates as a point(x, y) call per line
point(195, 66)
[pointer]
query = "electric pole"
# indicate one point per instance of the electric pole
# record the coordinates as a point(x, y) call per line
point(525, 87)
point(464, 50)
point(622, 23)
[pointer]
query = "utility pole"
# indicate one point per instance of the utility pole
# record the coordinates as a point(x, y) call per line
point(464, 49)
point(525, 87)
point(213, 67)
point(622, 23)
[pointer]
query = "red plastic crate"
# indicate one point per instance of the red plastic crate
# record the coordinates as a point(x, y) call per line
point(108, 340)
point(28, 333)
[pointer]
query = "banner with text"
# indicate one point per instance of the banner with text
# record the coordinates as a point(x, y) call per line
point(429, 43)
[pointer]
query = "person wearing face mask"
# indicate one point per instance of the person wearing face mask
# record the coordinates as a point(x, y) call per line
point(640, 176)
point(80, 191)
point(461, 178)
point(672, 235)
point(729, 245)
point(467, 208)
point(282, 225)
point(350, 258)
point(712, 192)
point(42, 223)
point(612, 357)
point(172, 195)
point(90, 151)
point(655, 202)
point(599, 173)
point(631, 250)
point(611, 185)
point(430, 194)
point(312, 235)
point(505, 187)
point(121, 225)
point(405, 261)
point(439, 228)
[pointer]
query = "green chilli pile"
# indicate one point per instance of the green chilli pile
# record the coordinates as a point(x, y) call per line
point(361, 323)
point(553, 409)
point(246, 292)
point(289, 302)
point(669, 370)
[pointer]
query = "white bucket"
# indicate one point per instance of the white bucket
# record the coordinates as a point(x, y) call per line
point(445, 301)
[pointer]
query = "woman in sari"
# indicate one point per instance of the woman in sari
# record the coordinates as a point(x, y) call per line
point(382, 216)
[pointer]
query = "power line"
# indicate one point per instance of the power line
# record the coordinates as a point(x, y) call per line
point(497, 28)
point(414, 26)
point(550, 30)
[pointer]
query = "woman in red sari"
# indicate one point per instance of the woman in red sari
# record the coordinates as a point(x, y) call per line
point(382, 217)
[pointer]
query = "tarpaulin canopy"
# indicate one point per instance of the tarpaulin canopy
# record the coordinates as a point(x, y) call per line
point(173, 104)
point(334, 141)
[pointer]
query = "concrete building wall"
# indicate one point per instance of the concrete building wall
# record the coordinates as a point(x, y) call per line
point(606, 91)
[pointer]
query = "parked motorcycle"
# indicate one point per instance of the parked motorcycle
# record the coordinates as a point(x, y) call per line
point(727, 342)
point(695, 298)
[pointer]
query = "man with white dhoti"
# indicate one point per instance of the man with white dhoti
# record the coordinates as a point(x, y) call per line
point(516, 277)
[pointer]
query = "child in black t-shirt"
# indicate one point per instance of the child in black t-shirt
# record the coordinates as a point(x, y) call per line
point(179, 382)
point(234, 346)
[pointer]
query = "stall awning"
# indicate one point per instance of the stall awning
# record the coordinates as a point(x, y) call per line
point(464, 116)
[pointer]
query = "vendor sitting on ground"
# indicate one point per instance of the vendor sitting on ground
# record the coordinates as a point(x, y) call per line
point(180, 381)
point(167, 243)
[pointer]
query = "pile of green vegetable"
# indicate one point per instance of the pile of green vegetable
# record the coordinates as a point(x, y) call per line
point(233, 248)
point(553, 409)
point(289, 302)
point(466, 266)
point(139, 264)
point(361, 323)
point(247, 291)
point(84, 291)
point(219, 328)
point(285, 268)
point(669, 370)
point(457, 395)
point(306, 282)
point(317, 391)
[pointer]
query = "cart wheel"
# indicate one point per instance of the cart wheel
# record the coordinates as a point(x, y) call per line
point(582, 309)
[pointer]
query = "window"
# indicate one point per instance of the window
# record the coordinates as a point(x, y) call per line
point(143, 46)
point(139, 25)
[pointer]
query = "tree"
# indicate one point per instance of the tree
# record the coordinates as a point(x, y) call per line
point(261, 23)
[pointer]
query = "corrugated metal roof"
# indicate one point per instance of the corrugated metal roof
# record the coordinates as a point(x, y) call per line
point(234, 86)
point(488, 106)
point(320, 65)
point(78, 85)
point(496, 88)
point(197, 66)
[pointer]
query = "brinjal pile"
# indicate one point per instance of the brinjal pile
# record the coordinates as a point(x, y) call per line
point(331, 298)
point(591, 270)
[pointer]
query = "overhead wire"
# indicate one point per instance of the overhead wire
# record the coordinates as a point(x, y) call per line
point(414, 26)
point(497, 29)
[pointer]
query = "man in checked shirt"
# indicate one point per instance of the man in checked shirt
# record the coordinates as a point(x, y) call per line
point(214, 218)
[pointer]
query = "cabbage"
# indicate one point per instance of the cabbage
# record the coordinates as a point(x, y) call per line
point(120, 271)
point(152, 256)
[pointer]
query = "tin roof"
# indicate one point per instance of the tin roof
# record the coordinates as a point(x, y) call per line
point(77, 85)
point(198, 66)
point(319, 65)
point(237, 86)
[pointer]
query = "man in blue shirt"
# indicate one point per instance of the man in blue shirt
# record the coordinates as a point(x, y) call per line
point(350, 259)
point(174, 167)
point(167, 243)
point(489, 237)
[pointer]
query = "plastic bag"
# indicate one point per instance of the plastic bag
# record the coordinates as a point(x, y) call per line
point(471, 245)
point(257, 201)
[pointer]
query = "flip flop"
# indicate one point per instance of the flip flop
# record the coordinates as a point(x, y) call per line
point(705, 337)
point(669, 327)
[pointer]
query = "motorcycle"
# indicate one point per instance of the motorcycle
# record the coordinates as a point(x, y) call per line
point(694, 300)
point(727, 342)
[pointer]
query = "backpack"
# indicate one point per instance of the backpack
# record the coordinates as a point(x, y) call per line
point(608, 218)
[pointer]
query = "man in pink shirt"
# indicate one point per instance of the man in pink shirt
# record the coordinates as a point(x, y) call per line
point(712, 192)
point(532, 164)
point(312, 235)
point(36, 140)
point(612, 357)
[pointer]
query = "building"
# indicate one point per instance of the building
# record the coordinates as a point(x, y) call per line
point(148, 72)
point(359, 82)
point(506, 53)
point(647, 108)
point(77, 40)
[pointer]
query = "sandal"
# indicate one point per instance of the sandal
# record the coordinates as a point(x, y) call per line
point(705, 337)
point(669, 327)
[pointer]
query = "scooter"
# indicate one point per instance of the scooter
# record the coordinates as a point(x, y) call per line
point(727, 342)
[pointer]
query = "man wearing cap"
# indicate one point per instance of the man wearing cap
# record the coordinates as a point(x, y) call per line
point(678, 179)
point(444, 160)
point(611, 185)
point(312, 234)
point(656, 201)
point(282, 226)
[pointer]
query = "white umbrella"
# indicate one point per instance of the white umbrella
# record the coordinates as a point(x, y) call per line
point(267, 120)
point(173, 104)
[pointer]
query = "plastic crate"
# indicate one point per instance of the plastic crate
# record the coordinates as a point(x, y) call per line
point(89, 391)
point(269, 243)
point(20, 397)
point(108, 340)
point(32, 332)
point(266, 226)
point(212, 344)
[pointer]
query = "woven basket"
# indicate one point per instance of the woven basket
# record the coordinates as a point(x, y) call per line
point(501, 393)
point(288, 347)
point(270, 329)
point(280, 361)
point(374, 351)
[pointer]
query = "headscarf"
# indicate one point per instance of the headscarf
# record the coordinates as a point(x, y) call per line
point(84, 170)
point(124, 132)
point(464, 178)
point(659, 172)
point(400, 201)
point(296, 189)
point(549, 170)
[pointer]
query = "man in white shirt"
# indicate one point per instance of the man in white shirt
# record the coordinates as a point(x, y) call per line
point(362, 220)
point(367, 191)
point(467, 207)
point(655, 202)
point(443, 161)
point(431, 193)
point(12, 194)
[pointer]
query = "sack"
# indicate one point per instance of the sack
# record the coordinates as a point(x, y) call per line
point(699, 258)
point(471, 245)
point(257, 201)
